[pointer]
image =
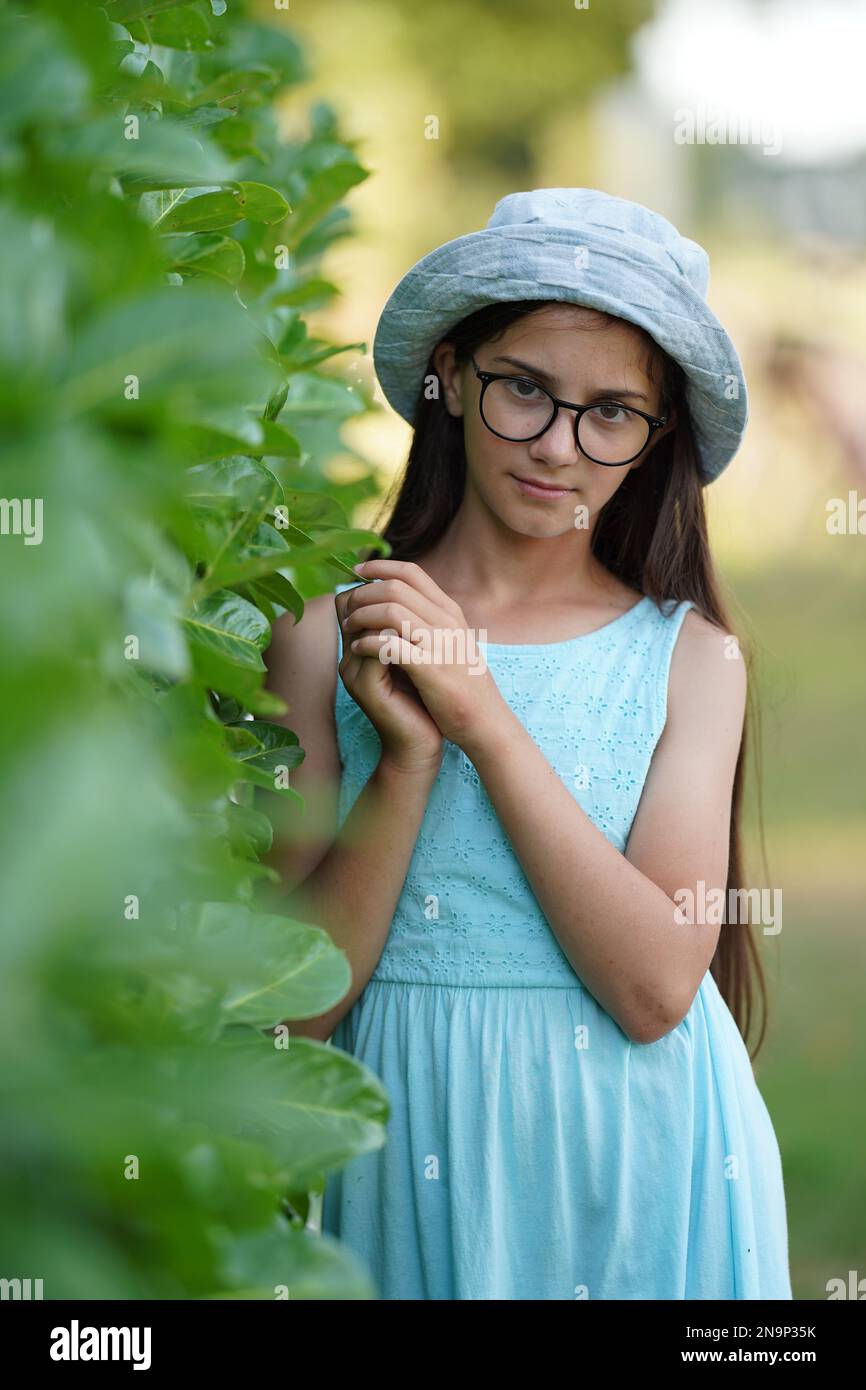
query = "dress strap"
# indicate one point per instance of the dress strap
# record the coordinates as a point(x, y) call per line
point(674, 614)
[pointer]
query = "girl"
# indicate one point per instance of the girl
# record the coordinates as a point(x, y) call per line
point(528, 783)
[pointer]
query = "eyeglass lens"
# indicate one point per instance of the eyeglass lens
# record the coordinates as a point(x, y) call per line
point(519, 409)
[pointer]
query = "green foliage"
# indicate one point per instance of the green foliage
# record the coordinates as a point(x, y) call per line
point(166, 409)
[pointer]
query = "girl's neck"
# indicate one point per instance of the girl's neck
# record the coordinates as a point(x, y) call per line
point(490, 565)
point(539, 574)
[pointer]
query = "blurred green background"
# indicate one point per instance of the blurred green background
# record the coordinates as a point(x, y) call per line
point(520, 96)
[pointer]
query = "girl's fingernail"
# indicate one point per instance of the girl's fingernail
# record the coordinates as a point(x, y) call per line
point(354, 644)
point(359, 569)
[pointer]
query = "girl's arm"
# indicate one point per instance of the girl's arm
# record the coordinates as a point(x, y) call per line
point(347, 882)
point(614, 914)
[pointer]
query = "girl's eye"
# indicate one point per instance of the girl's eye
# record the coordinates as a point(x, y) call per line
point(523, 389)
point(616, 414)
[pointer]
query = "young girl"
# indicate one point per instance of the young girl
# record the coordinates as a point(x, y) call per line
point(534, 759)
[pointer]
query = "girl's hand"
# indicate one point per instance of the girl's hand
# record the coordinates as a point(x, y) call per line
point(407, 622)
point(410, 739)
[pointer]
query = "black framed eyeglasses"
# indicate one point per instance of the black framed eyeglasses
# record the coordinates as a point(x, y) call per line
point(518, 409)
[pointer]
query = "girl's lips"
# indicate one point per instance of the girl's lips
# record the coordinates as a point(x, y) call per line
point(538, 490)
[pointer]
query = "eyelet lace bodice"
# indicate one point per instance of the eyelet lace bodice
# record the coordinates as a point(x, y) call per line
point(596, 706)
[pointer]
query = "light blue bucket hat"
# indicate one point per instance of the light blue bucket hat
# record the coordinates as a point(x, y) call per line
point(584, 247)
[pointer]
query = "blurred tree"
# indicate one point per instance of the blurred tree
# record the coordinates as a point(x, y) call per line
point(497, 72)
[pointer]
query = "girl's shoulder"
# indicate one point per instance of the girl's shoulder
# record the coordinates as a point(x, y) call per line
point(695, 626)
point(707, 670)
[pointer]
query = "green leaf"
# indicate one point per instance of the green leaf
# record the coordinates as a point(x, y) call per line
point(243, 483)
point(241, 430)
point(310, 1104)
point(314, 510)
point(35, 277)
point(212, 211)
point(276, 403)
point(227, 636)
point(287, 1263)
point(183, 26)
point(258, 968)
point(205, 254)
point(239, 88)
point(198, 117)
point(240, 740)
point(255, 555)
point(249, 830)
point(315, 395)
point(189, 347)
point(326, 187)
point(329, 546)
point(239, 139)
point(277, 748)
point(151, 616)
point(313, 293)
point(262, 203)
point(38, 74)
point(162, 154)
point(275, 588)
point(251, 44)
point(265, 703)
point(203, 213)
point(121, 11)
point(315, 355)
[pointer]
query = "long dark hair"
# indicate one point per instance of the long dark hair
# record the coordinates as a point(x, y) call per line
point(652, 534)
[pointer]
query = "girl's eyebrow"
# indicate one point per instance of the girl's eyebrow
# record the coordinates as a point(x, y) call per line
point(545, 376)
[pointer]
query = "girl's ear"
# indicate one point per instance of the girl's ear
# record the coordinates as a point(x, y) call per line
point(449, 377)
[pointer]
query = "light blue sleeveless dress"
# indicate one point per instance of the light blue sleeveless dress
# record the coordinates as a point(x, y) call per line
point(533, 1151)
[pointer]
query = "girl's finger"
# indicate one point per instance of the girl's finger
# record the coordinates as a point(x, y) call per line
point(340, 601)
point(388, 648)
point(397, 591)
point(382, 615)
point(410, 574)
point(350, 664)
point(349, 668)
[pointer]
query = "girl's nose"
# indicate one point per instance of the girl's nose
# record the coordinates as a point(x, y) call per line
point(558, 444)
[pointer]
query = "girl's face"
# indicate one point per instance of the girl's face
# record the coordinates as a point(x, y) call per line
point(563, 348)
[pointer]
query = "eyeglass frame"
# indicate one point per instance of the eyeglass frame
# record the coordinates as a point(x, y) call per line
point(654, 421)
